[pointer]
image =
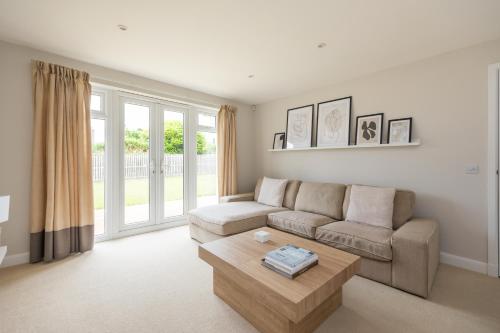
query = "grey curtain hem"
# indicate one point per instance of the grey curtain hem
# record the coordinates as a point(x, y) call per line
point(54, 245)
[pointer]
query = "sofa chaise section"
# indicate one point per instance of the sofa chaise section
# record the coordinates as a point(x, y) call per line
point(236, 213)
point(230, 218)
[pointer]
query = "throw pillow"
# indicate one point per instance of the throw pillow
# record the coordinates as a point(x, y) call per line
point(272, 192)
point(371, 205)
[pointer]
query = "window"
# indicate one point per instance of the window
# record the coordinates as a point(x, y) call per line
point(206, 161)
point(96, 103)
point(99, 158)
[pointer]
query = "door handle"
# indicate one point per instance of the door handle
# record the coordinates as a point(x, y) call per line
point(152, 166)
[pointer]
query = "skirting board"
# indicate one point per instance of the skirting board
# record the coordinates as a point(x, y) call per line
point(465, 263)
point(16, 259)
point(445, 258)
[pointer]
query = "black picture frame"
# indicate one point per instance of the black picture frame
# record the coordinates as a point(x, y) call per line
point(381, 115)
point(409, 119)
point(287, 123)
point(349, 121)
point(284, 140)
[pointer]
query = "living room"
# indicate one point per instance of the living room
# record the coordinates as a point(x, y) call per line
point(157, 154)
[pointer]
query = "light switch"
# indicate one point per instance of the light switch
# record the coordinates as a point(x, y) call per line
point(472, 169)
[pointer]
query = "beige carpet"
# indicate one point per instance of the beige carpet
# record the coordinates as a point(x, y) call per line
point(156, 283)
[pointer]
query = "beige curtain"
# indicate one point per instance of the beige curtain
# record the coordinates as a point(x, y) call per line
point(226, 150)
point(62, 208)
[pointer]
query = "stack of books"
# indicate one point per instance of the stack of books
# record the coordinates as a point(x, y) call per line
point(290, 260)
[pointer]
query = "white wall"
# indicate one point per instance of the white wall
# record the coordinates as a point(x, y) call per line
point(447, 98)
point(16, 129)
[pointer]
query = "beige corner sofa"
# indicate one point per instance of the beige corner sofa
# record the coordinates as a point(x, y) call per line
point(406, 257)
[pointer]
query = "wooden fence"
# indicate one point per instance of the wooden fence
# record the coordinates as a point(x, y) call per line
point(137, 165)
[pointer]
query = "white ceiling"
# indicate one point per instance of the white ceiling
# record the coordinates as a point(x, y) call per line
point(213, 45)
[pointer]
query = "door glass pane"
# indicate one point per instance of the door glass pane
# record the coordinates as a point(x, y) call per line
point(206, 191)
point(173, 163)
point(136, 163)
point(98, 127)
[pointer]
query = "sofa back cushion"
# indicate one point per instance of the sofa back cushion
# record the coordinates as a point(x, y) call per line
point(371, 205)
point(404, 203)
point(292, 188)
point(321, 198)
point(272, 192)
point(258, 185)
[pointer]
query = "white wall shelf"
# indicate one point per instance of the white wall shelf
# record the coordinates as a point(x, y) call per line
point(384, 145)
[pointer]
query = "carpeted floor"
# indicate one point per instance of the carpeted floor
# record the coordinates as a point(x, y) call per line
point(155, 283)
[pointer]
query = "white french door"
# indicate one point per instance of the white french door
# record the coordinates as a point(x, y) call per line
point(152, 162)
point(138, 164)
point(172, 155)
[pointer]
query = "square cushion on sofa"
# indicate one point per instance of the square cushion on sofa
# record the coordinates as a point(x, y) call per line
point(296, 222)
point(321, 198)
point(404, 203)
point(290, 192)
point(232, 217)
point(371, 205)
point(357, 238)
point(272, 191)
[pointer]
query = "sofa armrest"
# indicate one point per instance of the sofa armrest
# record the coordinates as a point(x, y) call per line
point(237, 197)
point(415, 256)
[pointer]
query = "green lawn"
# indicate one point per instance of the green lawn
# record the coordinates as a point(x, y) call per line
point(137, 190)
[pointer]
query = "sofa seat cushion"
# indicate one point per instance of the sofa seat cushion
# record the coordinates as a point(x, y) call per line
point(232, 217)
point(362, 239)
point(297, 222)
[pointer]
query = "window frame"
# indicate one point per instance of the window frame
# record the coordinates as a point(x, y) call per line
point(108, 167)
point(194, 128)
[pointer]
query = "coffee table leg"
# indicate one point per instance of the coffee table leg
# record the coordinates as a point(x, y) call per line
point(265, 319)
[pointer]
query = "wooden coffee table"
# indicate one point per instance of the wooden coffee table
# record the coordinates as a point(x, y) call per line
point(269, 301)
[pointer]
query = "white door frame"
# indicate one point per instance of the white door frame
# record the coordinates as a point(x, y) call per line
point(493, 167)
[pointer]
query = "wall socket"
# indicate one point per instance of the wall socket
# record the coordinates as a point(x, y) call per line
point(472, 169)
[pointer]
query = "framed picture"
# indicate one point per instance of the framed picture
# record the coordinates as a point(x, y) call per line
point(333, 123)
point(399, 130)
point(299, 122)
point(369, 129)
point(279, 140)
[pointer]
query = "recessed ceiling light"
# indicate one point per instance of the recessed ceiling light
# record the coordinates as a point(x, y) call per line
point(122, 27)
point(251, 76)
point(321, 45)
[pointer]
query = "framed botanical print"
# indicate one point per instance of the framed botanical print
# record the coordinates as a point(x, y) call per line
point(399, 130)
point(279, 140)
point(333, 123)
point(369, 129)
point(299, 122)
